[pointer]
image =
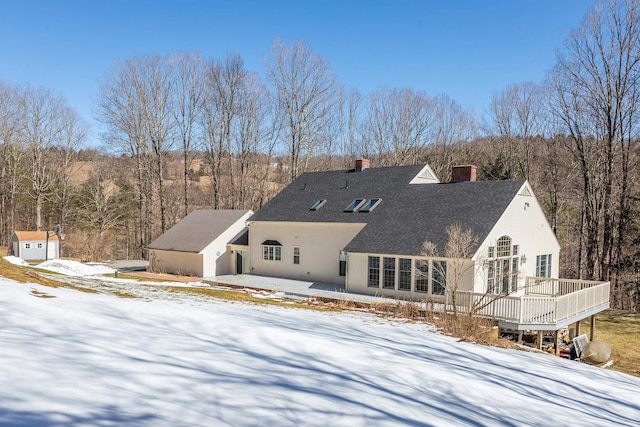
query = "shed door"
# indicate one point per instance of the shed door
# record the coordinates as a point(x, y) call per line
point(52, 252)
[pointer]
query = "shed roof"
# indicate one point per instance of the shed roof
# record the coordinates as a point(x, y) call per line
point(408, 214)
point(197, 230)
point(25, 236)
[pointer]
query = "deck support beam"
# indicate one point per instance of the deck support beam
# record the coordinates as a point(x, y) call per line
point(592, 333)
point(539, 340)
point(578, 328)
point(556, 342)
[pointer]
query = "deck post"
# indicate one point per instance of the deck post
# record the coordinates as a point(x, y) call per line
point(556, 342)
point(539, 340)
point(592, 333)
point(578, 328)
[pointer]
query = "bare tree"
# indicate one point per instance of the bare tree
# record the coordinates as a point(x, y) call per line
point(11, 155)
point(44, 124)
point(455, 264)
point(595, 83)
point(188, 91)
point(305, 92)
point(452, 125)
point(121, 108)
point(399, 123)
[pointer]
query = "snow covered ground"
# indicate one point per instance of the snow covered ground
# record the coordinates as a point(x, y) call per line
point(72, 358)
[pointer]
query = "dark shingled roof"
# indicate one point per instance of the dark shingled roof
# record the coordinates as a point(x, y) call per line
point(197, 230)
point(408, 215)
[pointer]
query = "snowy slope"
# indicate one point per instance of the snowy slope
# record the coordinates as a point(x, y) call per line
point(90, 359)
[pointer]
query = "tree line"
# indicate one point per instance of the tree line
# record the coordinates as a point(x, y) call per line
point(184, 132)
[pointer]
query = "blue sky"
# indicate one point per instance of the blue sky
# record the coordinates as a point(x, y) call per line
point(467, 49)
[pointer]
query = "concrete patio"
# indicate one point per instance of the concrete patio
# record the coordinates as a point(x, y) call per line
point(292, 288)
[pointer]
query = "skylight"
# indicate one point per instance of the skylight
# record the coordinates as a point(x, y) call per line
point(317, 205)
point(370, 205)
point(355, 205)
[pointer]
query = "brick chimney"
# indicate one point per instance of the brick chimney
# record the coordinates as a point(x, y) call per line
point(463, 173)
point(362, 164)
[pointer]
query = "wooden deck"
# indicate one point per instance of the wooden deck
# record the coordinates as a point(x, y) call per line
point(548, 304)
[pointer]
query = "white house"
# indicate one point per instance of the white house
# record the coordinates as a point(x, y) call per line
point(35, 245)
point(365, 228)
point(197, 245)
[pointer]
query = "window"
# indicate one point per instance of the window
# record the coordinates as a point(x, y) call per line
point(374, 272)
point(343, 264)
point(271, 250)
point(389, 280)
point(317, 205)
point(543, 265)
point(296, 255)
point(27, 245)
point(439, 277)
point(355, 205)
point(404, 280)
point(422, 275)
point(503, 262)
point(39, 245)
point(370, 205)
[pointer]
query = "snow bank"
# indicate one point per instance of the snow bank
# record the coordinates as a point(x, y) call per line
point(95, 359)
point(15, 260)
point(75, 268)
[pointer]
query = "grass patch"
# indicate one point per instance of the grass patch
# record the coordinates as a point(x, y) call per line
point(242, 296)
point(622, 330)
point(25, 274)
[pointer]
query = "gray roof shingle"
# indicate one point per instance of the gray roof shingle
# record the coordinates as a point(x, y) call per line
point(197, 230)
point(408, 215)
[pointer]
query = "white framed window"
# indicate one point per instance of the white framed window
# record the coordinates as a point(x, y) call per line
point(439, 277)
point(27, 245)
point(271, 250)
point(502, 269)
point(422, 275)
point(404, 274)
point(543, 265)
point(296, 255)
point(39, 245)
point(374, 272)
point(389, 279)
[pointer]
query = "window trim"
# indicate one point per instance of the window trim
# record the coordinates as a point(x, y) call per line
point(402, 274)
point(423, 269)
point(370, 205)
point(355, 205)
point(373, 271)
point(296, 255)
point(503, 261)
point(548, 259)
point(389, 272)
point(317, 205)
point(271, 250)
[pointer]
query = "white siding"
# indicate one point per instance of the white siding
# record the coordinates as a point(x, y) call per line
point(524, 221)
point(320, 245)
point(216, 258)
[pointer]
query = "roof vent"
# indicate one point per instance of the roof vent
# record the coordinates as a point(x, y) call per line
point(463, 173)
point(362, 164)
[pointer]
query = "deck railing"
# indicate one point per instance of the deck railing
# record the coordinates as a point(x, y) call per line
point(546, 301)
